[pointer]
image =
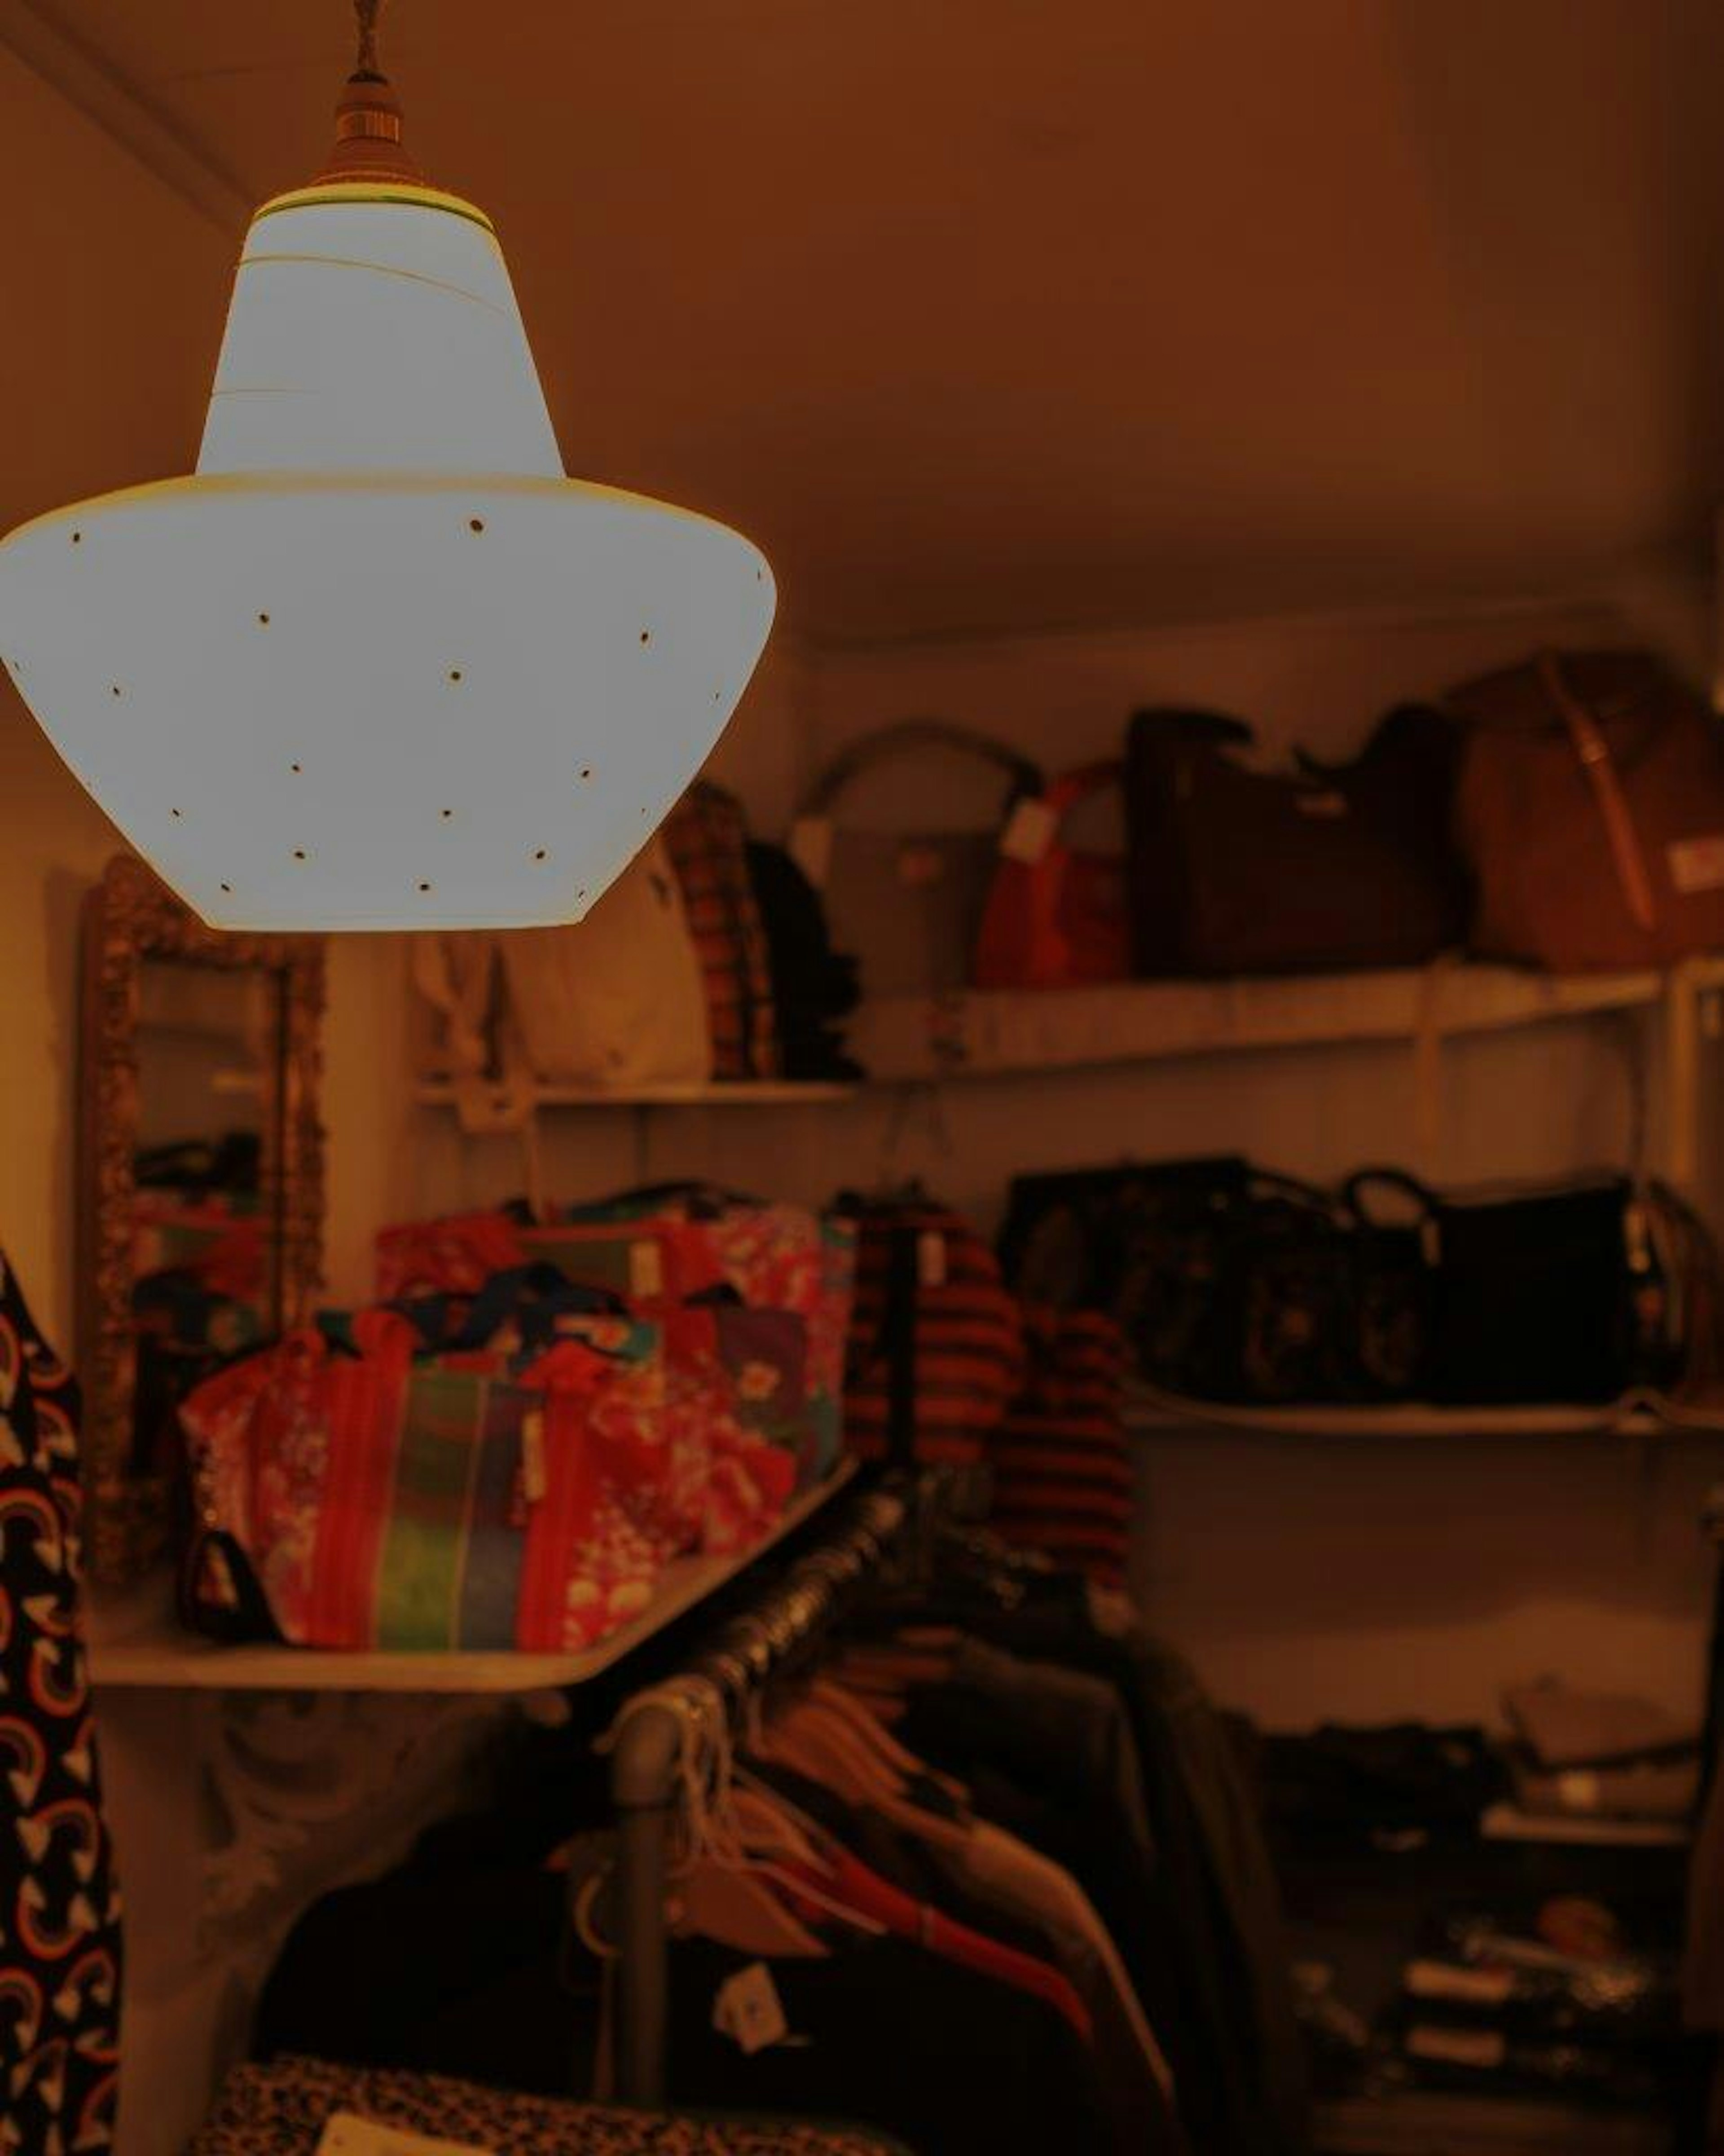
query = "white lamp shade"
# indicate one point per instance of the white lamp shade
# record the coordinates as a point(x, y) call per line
point(379, 664)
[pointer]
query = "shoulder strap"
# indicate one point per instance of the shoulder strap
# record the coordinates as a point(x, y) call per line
point(907, 737)
point(1594, 750)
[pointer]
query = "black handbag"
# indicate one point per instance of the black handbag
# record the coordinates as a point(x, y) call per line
point(1228, 1283)
point(1146, 1245)
point(1533, 1295)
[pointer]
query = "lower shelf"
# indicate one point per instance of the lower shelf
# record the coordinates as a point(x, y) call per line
point(1417, 2123)
point(1644, 1415)
point(1507, 1822)
point(155, 1653)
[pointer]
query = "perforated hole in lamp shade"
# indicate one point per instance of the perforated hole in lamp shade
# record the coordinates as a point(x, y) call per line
point(379, 487)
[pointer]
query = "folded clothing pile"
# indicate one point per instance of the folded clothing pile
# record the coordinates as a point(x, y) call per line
point(1395, 1786)
point(1593, 1755)
point(1546, 2000)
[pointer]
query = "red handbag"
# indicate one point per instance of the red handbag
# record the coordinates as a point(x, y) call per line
point(1056, 916)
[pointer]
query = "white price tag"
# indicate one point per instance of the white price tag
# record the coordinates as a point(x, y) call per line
point(811, 848)
point(1485, 2048)
point(646, 1269)
point(532, 1456)
point(1696, 863)
point(1029, 832)
point(1580, 1790)
point(347, 2134)
point(749, 2010)
point(1471, 1987)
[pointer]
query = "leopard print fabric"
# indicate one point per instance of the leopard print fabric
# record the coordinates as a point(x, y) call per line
point(282, 2109)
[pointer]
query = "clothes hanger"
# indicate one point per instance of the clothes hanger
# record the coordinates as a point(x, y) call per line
point(811, 1751)
point(867, 1718)
point(807, 1717)
point(867, 1725)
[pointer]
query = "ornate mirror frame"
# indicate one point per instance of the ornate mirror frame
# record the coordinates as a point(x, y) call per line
point(130, 917)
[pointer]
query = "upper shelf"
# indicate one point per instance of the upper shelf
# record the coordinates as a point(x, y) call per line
point(484, 1106)
point(153, 1652)
point(978, 1033)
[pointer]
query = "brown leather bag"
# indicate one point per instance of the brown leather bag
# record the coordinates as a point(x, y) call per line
point(1236, 870)
point(1589, 808)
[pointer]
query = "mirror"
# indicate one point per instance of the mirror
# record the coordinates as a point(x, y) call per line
point(201, 1182)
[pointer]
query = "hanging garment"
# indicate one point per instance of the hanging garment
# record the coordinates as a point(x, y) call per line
point(1121, 1770)
point(937, 1351)
point(1000, 1886)
point(815, 987)
point(59, 1906)
point(707, 839)
point(950, 2061)
point(1062, 1474)
point(282, 2110)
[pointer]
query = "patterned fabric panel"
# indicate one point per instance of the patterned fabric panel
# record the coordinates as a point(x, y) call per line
point(60, 1907)
point(1062, 1473)
point(707, 840)
point(281, 2110)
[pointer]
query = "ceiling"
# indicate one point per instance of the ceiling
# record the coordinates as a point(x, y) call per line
point(1026, 314)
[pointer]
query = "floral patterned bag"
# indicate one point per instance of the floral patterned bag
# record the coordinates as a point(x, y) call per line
point(362, 1493)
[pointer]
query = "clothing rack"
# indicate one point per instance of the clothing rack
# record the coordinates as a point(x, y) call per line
point(773, 1635)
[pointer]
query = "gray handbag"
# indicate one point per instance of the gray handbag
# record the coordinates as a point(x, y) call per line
point(906, 903)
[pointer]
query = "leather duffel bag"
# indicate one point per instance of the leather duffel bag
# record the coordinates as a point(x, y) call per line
point(1234, 869)
point(1589, 808)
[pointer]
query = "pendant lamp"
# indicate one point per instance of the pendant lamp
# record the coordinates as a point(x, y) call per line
point(378, 663)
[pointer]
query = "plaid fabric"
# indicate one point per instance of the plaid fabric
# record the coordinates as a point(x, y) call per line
point(936, 1351)
point(1062, 1475)
point(707, 840)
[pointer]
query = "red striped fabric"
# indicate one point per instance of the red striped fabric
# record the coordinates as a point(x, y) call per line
point(1062, 1475)
point(958, 1325)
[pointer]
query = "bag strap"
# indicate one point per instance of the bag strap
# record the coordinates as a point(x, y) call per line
point(905, 738)
point(1594, 750)
point(903, 1275)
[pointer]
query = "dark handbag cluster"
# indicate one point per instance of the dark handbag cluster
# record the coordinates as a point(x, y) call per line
point(1235, 1285)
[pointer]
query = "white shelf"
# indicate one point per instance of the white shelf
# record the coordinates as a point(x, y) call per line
point(156, 1654)
point(980, 1034)
point(486, 1107)
point(1507, 1822)
point(1415, 2122)
point(1642, 1414)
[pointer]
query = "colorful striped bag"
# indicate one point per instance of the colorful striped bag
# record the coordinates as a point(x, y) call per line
point(374, 1495)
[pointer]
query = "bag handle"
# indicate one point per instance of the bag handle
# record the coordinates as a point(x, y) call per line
point(1594, 750)
point(1396, 1180)
point(905, 738)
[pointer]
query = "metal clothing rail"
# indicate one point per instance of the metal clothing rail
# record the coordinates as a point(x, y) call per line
point(764, 1640)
